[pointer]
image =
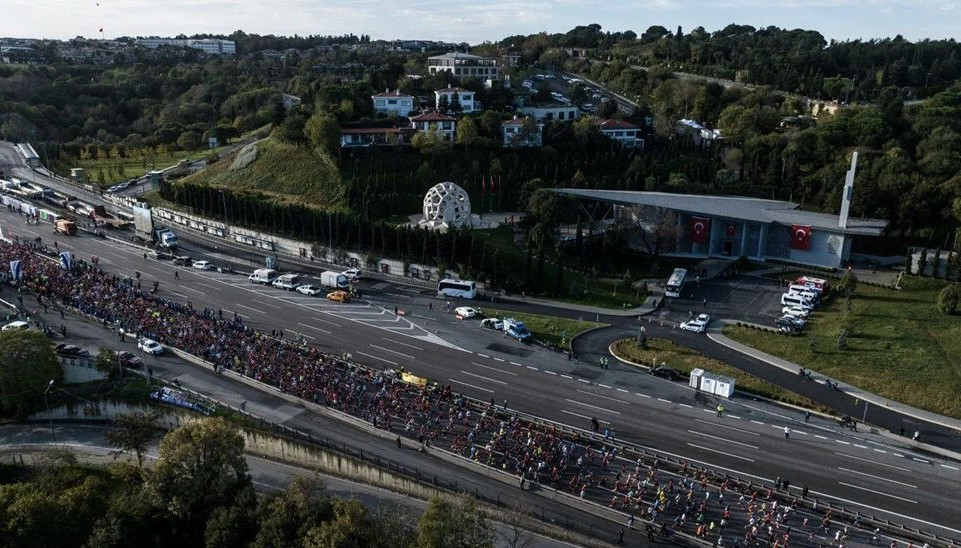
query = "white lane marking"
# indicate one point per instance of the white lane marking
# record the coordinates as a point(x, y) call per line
point(663, 400)
point(859, 446)
point(844, 442)
point(878, 492)
point(408, 356)
point(734, 417)
point(603, 385)
point(250, 308)
point(872, 461)
point(496, 359)
point(583, 416)
point(685, 405)
point(191, 289)
point(899, 455)
point(951, 467)
point(208, 286)
point(719, 438)
point(921, 460)
point(471, 385)
point(181, 295)
point(376, 357)
point(820, 437)
point(550, 372)
point(515, 363)
point(493, 369)
point(592, 394)
point(757, 422)
point(622, 390)
point(234, 312)
point(403, 344)
point(314, 328)
point(642, 395)
point(532, 367)
point(721, 452)
point(483, 355)
point(328, 322)
point(488, 379)
point(592, 406)
point(876, 477)
point(881, 451)
point(728, 427)
point(566, 376)
point(709, 410)
point(585, 381)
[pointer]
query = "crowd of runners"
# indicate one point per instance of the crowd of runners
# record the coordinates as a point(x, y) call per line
point(657, 499)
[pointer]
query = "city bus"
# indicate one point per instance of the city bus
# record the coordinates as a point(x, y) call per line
point(675, 283)
point(465, 289)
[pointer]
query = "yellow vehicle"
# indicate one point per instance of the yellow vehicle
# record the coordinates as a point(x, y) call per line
point(339, 296)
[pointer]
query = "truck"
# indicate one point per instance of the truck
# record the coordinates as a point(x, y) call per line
point(517, 329)
point(146, 231)
point(65, 226)
point(333, 279)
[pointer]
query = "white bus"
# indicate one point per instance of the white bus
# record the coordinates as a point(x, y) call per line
point(675, 283)
point(457, 288)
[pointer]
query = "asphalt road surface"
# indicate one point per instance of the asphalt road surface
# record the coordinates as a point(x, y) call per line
point(267, 475)
point(862, 470)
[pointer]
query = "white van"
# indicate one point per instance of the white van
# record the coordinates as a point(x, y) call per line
point(18, 325)
point(790, 299)
point(263, 276)
point(809, 295)
point(802, 289)
point(289, 282)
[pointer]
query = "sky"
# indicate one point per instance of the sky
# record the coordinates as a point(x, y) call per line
point(471, 21)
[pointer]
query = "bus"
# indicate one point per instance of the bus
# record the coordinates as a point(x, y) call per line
point(675, 283)
point(457, 288)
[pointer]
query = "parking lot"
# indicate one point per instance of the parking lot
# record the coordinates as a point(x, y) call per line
point(745, 298)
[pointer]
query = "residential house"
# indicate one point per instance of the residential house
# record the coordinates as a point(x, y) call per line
point(425, 122)
point(367, 136)
point(451, 95)
point(514, 135)
point(701, 135)
point(623, 132)
point(463, 65)
point(393, 103)
point(551, 111)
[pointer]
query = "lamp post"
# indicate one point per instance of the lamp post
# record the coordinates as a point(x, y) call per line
point(46, 404)
point(642, 337)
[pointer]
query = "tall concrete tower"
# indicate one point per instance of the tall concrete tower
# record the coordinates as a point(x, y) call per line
point(848, 192)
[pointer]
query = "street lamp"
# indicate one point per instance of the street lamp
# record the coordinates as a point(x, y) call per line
point(642, 337)
point(46, 403)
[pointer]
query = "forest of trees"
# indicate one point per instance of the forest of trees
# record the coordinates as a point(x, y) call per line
point(199, 493)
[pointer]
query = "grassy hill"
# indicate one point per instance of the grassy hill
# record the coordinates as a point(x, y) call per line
point(284, 172)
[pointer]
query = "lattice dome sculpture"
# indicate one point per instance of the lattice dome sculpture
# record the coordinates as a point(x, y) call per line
point(446, 205)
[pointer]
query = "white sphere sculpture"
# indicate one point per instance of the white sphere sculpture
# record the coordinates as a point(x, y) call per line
point(446, 205)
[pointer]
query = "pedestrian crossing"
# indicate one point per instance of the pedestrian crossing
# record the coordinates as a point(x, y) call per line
point(380, 285)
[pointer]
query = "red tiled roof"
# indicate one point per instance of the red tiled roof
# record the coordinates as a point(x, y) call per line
point(515, 122)
point(616, 124)
point(454, 90)
point(432, 117)
point(395, 93)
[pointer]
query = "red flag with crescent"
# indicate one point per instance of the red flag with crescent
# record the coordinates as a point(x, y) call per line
point(700, 228)
point(800, 236)
point(731, 230)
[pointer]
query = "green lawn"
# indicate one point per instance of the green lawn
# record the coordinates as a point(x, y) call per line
point(684, 360)
point(898, 346)
point(558, 331)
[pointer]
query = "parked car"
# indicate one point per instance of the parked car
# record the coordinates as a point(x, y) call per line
point(150, 346)
point(203, 265)
point(71, 350)
point(353, 274)
point(492, 323)
point(466, 312)
point(16, 326)
point(666, 373)
point(339, 296)
point(129, 359)
point(791, 321)
point(697, 326)
point(183, 260)
point(796, 311)
point(311, 290)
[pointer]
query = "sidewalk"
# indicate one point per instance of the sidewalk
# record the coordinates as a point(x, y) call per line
point(717, 336)
point(644, 309)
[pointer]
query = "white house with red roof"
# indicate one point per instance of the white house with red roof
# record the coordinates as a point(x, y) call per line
point(393, 103)
point(426, 122)
point(516, 136)
point(623, 132)
point(463, 96)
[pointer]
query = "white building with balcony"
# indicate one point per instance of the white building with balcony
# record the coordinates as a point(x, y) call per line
point(445, 124)
point(623, 132)
point(463, 66)
point(464, 97)
point(515, 135)
point(393, 103)
point(551, 112)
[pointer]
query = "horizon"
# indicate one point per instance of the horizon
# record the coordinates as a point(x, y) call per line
point(484, 21)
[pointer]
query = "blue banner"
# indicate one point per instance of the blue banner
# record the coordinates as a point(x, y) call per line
point(15, 270)
point(66, 259)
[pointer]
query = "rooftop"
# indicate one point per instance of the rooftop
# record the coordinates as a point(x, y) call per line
point(456, 55)
point(616, 124)
point(389, 93)
point(432, 117)
point(756, 210)
point(450, 89)
point(517, 122)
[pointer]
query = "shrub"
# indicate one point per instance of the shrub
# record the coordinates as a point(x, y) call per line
point(949, 298)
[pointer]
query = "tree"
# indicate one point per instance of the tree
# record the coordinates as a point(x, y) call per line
point(430, 141)
point(133, 432)
point(658, 232)
point(460, 524)
point(350, 528)
point(949, 299)
point(467, 132)
point(286, 518)
point(108, 362)
point(528, 132)
point(234, 525)
point(189, 140)
point(201, 466)
point(322, 132)
point(27, 365)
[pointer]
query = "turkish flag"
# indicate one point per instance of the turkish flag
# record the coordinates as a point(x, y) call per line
point(700, 228)
point(800, 236)
point(731, 230)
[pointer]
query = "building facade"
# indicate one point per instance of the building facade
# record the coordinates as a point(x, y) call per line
point(365, 137)
point(446, 125)
point(623, 132)
point(463, 97)
point(463, 65)
point(514, 136)
point(393, 103)
point(547, 113)
point(207, 45)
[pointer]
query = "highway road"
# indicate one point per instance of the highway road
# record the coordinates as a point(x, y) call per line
point(862, 470)
point(269, 476)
